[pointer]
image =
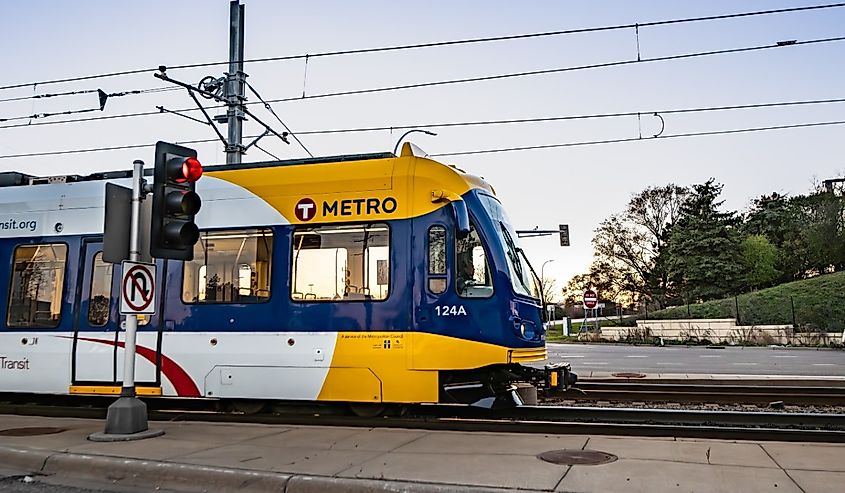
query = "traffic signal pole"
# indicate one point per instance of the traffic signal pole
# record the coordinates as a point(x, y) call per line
point(126, 419)
point(128, 389)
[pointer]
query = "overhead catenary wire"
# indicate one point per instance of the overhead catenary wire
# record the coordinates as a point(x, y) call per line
point(510, 121)
point(468, 80)
point(495, 150)
point(511, 75)
point(574, 117)
point(88, 91)
point(638, 139)
point(440, 43)
point(103, 97)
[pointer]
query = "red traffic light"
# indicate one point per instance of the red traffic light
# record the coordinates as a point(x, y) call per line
point(192, 169)
point(184, 169)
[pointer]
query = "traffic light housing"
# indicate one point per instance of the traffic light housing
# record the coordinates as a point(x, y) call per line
point(564, 234)
point(173, 232)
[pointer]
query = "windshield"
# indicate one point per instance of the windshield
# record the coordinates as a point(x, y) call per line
point(522, 275)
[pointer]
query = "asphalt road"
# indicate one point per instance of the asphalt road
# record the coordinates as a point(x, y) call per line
point(12, 481)
point(16, 484)
point(682, 359)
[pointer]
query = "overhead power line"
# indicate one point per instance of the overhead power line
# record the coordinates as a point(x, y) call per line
point(87, 91)
point(639, 139)
point(439, 43)
point(468, 80)
point(511, 75)
point(574, 117)
point(478, 123)
point(103, 97)
point(495, 150)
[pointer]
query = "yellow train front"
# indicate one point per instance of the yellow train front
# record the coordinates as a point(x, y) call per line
point(365, 279)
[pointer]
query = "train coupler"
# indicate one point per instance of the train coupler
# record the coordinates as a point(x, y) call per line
point(559, 376)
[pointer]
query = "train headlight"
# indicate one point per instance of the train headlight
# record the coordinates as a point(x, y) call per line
point(523, 329)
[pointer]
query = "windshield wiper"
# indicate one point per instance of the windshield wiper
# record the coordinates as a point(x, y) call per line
point(533, 272)
point(513, 255)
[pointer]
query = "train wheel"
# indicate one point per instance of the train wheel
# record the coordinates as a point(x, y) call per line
point(367, 410)
point(248, 406)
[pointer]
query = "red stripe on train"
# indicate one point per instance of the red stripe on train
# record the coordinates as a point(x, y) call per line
point(182, 382)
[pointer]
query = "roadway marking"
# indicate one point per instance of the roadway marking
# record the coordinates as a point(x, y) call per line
point(824, 364)
point(710, 356)
point(749, 364)
point(587, 363)
point(636, 356)
point(784, 356)
point(572, 356)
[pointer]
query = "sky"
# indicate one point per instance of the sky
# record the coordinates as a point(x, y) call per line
point(579, 186)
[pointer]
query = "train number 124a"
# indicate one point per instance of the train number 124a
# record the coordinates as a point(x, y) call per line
point(450, 310)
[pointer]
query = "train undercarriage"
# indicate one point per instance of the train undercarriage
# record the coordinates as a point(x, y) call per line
point(502, 386)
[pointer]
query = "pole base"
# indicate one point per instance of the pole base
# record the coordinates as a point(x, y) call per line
point(126, 420)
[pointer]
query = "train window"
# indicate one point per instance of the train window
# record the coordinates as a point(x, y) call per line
point(341, 263)
point(437, 259)
point(100, 295)
point(437, 250)
point(230, 266)
point(35, 298)
point(472, 276)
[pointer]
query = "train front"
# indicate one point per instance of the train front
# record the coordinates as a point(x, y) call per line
point(497, 298)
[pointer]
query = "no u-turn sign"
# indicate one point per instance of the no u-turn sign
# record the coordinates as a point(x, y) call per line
point(137, 288)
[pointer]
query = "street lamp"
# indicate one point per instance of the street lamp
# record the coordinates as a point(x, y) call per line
point(543, 284)
point(396, 148)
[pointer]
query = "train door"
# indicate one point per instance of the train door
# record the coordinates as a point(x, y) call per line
point(435, 280)
point(457, 288)
point(95, 355)
point(97, 364)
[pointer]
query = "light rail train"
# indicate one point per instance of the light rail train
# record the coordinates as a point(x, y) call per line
point(363, 279)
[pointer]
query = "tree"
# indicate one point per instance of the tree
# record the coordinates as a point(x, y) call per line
point(548, 288)
point(780, 219)
point(822, 231)
point(759, 259)
point(601, 278)
point(704, 246)
point(630, 243)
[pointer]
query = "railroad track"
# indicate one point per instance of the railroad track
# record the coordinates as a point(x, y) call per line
point(781, 426)
point(705, 393)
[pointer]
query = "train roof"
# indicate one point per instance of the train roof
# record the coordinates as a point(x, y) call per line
point(17, 178)
point(347, 188)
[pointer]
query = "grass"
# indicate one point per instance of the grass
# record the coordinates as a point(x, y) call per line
point(819, 305)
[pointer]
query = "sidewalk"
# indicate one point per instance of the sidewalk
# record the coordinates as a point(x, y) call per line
point(298, 459)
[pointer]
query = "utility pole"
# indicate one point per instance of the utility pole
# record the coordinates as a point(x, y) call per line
point(235, 84)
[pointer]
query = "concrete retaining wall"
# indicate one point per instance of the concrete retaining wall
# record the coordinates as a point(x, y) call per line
point(720, 330)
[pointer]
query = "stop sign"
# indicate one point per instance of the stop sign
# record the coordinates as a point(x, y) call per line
point(591, 299)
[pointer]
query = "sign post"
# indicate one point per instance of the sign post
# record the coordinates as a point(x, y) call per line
point(591, 300)
point(126, 419)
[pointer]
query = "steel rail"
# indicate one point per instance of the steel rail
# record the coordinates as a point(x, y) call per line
point(705, 393)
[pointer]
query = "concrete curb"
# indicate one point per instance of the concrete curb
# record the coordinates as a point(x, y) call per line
point(153, 474)
point(24, 459)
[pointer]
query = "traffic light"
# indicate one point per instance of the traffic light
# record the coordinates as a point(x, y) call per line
point(175, 203)
point(564, 235)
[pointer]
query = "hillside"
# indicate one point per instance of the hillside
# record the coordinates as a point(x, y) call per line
point(819, 305)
